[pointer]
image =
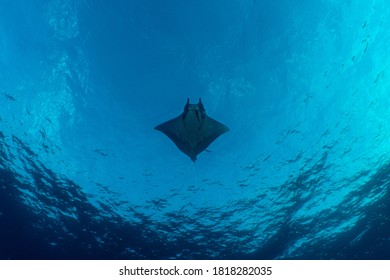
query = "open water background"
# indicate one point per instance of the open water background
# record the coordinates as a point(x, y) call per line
point(303, 173)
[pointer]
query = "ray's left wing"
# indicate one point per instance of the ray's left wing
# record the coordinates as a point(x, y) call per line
point(175, 130)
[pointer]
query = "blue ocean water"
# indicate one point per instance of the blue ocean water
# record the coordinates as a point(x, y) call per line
point(303, 172)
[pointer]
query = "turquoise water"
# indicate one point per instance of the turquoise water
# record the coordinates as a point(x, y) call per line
point(303, 172)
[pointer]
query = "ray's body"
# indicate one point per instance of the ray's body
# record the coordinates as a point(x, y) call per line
point(192, 131)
